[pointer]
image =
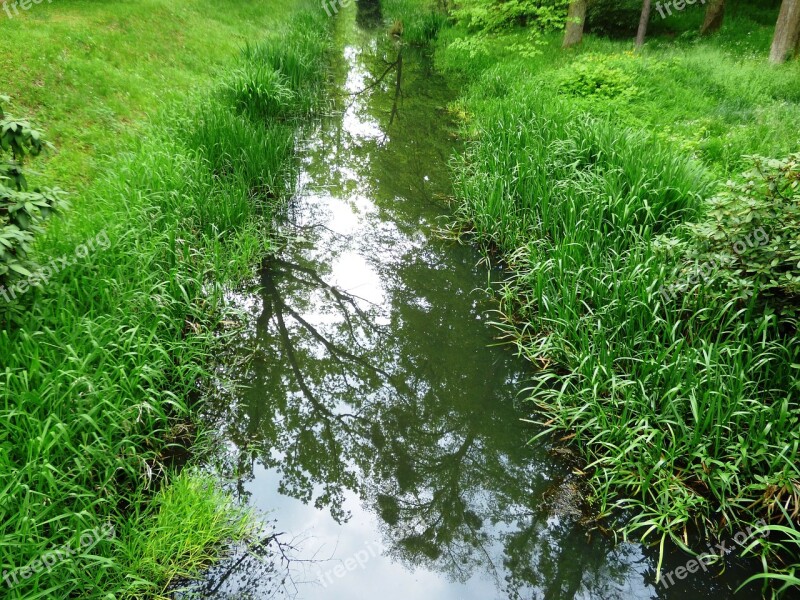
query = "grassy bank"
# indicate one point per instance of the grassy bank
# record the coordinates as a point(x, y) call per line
point(100, 364)
point(91, 72)
point(596, 175)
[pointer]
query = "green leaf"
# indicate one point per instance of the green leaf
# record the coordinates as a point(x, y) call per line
point(20, 269)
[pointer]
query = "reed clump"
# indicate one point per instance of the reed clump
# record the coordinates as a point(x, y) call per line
point(686, 406)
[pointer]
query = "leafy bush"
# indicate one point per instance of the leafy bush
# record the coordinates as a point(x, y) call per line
point(752, 234)
point(614, 18)
point(21, 211)
point(490, 15)
point(597, 75)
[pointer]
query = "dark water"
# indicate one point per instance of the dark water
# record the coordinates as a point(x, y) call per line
point(374, 418)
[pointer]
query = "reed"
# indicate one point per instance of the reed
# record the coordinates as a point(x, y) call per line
point(685, 410)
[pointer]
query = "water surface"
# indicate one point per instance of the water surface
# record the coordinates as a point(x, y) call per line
point(375, 417)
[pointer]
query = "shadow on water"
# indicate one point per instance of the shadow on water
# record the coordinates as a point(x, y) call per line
point(373, 417)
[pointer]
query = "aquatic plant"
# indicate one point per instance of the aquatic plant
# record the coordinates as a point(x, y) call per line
point(687, 411)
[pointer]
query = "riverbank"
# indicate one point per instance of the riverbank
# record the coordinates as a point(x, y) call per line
point(100, 364)
point(596, 176)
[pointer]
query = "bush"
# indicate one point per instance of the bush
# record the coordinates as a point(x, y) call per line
point(752, 234)
point(489, 15)
point(22, 212)
point(597, 75)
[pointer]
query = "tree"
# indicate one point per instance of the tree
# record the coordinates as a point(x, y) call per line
point(715, 14)
point(575, 22)
point(787, 32)
point(643, 21)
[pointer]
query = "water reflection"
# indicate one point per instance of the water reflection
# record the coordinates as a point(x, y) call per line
point(369, 14)
point(374, 407)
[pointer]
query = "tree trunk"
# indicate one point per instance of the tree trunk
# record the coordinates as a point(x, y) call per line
point(575, 21)
point(715, 14)
point(787, 32)
point(643, 22)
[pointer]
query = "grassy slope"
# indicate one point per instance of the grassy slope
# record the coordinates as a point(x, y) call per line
point(90, 72)
point(688, 412)
point(99, 365)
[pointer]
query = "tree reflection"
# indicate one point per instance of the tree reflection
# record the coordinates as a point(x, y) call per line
point(395, 402)
point(400, 402)
point(263, 565)
point(369, 14)
point(337, 403)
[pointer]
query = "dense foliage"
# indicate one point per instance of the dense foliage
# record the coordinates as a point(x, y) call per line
point(22, 211)
point(657, 302)
point(490, 15)
point(686, 409)
point(599, 76)
point(751, 237)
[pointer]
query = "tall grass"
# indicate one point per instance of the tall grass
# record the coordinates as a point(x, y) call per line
point(99, 366)
point(686, 410)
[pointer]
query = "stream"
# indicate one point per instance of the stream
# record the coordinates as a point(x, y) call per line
point(375, 418)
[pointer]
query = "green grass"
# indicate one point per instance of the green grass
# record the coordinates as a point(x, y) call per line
point(179, 533)
point(715, 99)
point(90, 73)
point(99, 367)
point(581, 169)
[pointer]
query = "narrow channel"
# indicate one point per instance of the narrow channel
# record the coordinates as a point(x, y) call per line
point(375, 418)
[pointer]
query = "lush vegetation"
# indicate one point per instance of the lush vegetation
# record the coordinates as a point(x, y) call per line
point(658, 303)
point(100, 361)
point(22, 211)
point(646, 205)
point(92, 72)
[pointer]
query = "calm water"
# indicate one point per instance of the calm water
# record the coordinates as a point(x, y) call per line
point(373, 416)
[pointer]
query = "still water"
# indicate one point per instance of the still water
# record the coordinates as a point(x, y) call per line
point(374, 418)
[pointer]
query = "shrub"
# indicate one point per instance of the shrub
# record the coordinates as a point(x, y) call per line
point(597, 75)
point(489, 15)
point(752, 235)
point(22, 212)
